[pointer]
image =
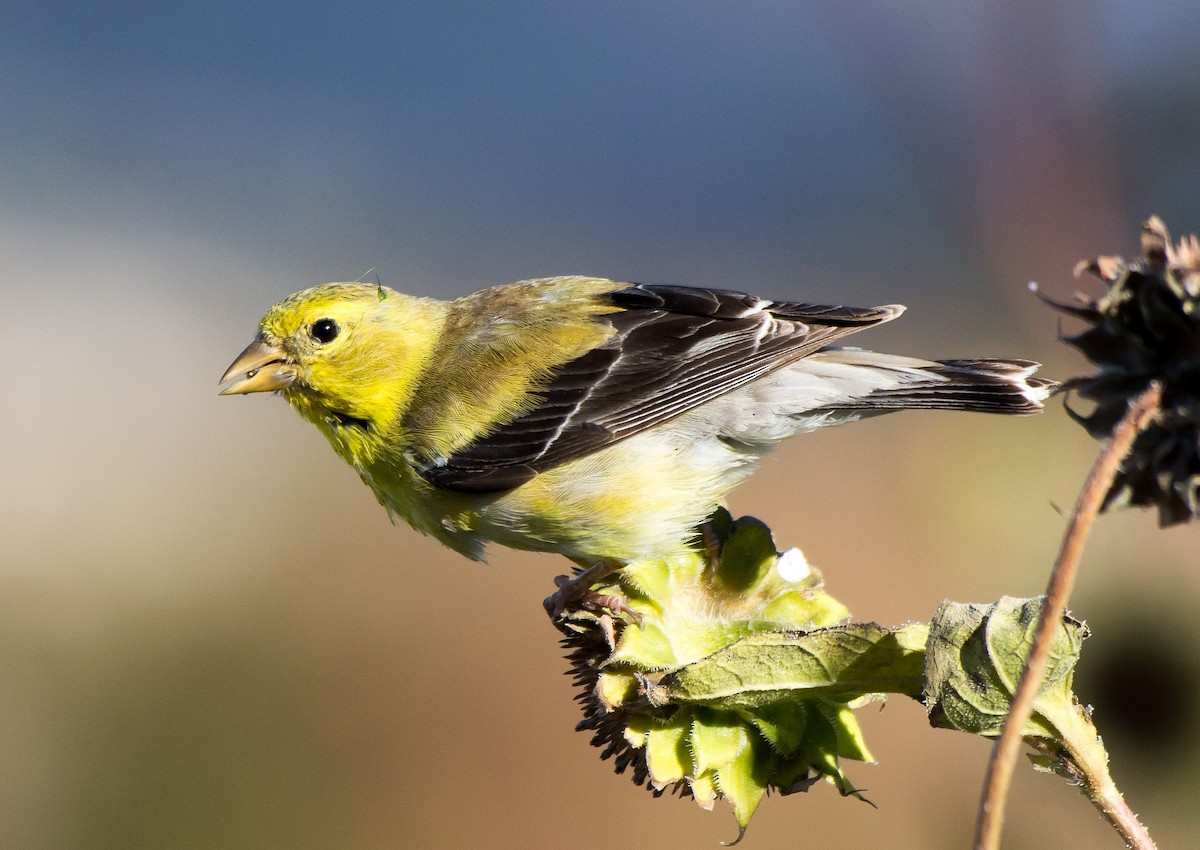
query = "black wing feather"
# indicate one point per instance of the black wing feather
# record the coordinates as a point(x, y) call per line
point(674, 348)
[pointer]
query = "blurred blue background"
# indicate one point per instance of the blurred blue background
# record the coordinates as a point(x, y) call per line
point(210, 636)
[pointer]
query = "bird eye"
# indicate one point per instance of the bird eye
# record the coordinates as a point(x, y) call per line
point(324, 330)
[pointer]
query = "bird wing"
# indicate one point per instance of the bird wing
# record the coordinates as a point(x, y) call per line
point(673, 348)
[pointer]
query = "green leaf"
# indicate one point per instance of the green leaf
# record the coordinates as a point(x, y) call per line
point(974, 660)
point(841, 661)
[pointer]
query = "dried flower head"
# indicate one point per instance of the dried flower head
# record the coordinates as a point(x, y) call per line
point(1144, 329)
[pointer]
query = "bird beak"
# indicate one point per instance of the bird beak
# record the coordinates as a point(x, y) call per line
point(260, 368)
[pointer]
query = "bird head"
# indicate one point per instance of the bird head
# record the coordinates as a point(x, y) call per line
point(342, 354)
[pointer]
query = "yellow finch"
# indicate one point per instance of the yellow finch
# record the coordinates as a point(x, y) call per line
point(601, 420)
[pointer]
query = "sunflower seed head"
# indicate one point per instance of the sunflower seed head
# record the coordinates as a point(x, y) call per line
point(732, 587)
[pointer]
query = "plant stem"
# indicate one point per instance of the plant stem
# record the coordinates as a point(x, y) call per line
point(1103, 793)
point(1062, 578)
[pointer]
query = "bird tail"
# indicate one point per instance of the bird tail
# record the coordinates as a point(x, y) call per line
point(836, 385)
point(983, 385)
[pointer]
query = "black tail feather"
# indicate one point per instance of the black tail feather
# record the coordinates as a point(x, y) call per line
point(987, 386)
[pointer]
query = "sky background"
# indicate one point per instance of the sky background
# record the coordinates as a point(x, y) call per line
point(210, 635)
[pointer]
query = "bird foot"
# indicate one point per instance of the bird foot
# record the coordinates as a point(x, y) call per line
point(576, 593)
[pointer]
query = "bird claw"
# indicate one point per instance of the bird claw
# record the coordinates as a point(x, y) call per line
point(576, 593)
